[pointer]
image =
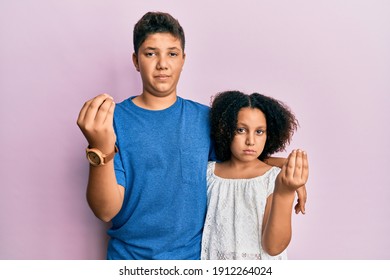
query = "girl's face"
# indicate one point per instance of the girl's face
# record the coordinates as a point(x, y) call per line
point(251, 134)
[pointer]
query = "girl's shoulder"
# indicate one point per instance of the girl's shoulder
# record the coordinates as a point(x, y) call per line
point(210, 168)
point(273, 172)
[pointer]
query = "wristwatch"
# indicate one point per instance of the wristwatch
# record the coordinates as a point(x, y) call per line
point(97, 158)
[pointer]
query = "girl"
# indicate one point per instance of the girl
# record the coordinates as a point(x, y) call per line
point(250, 202)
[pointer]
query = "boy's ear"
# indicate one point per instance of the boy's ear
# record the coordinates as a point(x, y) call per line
point(135, 62)
point(184, 60)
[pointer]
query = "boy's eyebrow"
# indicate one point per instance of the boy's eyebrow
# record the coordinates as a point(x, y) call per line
point(154, 48)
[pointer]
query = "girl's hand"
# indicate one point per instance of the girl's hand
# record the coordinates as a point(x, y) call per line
point(293, 176)
point(96, 122)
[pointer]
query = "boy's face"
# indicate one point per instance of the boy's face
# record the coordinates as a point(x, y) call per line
point(251, 134)
point(160, 60)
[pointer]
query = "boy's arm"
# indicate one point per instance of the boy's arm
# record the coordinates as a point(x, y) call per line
point(275, 161)
point(104, 195)
point(277, 218)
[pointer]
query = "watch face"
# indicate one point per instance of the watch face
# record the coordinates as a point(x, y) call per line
point(94, 158)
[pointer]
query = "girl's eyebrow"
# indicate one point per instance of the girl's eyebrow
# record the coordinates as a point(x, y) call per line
point(244, 124)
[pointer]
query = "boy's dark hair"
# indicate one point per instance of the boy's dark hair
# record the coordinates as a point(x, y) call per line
point(156, 22)
point(281, 122)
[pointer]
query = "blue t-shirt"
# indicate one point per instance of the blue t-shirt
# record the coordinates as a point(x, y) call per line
point(162, 163)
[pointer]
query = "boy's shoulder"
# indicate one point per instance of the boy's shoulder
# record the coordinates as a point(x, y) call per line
point(124, 103)
point(195, 104)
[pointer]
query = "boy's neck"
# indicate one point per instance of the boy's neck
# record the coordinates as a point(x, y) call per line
point(152, 102)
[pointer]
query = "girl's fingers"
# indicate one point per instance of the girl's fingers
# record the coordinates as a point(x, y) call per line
point(296, 169)
point(298, 165)
point(290, 164)
point(305, 166)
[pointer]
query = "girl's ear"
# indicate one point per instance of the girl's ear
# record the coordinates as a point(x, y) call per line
point(135, 62)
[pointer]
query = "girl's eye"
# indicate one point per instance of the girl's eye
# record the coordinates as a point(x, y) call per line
point(260, 132)
point(240, 130)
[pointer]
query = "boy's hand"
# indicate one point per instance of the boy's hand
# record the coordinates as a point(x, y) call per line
point(301, 202)
point(96, 122)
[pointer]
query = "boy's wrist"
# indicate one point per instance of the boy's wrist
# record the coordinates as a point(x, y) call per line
point(98, 158)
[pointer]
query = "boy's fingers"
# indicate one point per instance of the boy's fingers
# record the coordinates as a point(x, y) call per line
point(301, 201)
point(103, 111)
point(110, 114)
point(82, 113)
point(94, 107)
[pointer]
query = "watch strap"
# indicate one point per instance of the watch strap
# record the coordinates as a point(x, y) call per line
point(111, 155)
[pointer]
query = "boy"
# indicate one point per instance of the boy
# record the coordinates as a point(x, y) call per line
point(155, 192)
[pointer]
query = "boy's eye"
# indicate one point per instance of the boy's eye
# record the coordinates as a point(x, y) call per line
point(149, 54)
point(173, 54)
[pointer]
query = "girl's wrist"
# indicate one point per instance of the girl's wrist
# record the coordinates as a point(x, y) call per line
point(284, 191)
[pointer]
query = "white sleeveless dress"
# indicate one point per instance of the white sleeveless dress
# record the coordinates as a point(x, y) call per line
point(235, 210)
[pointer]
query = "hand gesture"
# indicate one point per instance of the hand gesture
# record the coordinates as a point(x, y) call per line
point(293, 177)
point(96, 122)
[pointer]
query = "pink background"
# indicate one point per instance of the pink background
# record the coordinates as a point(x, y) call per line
point(329, 60)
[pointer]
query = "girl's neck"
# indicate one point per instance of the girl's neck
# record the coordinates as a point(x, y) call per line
point(233, 169)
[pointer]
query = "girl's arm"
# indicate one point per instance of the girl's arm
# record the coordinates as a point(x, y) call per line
point(277, 217)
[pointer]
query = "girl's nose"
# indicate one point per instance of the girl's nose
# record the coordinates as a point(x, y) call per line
point(250, 141)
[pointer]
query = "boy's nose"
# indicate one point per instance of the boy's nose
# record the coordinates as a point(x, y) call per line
point(162, 64)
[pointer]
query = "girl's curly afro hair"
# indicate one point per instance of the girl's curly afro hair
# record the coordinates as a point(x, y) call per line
point(281, 122)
